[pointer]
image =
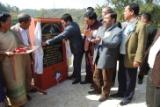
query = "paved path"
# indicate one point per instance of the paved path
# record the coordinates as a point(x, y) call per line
point(67, 95)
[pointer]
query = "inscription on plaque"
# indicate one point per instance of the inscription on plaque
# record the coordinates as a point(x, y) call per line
point(52, 54)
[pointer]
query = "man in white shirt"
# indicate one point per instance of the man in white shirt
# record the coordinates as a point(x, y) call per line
point(21, 30)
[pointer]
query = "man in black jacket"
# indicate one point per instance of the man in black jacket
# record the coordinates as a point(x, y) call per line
point(73, 34)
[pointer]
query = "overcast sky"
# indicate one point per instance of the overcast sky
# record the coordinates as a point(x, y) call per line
point(47, 4)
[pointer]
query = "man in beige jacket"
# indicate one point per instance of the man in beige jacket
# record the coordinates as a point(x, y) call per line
point(131, 53)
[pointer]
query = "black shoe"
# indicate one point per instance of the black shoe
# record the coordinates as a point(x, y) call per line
point(71, 77)
point(85, 82)
point(117, 95)
point(125, 102)
point(29, 97)
point(93, 92)
point(33, 90)
point(76, 81)
point(140, 81)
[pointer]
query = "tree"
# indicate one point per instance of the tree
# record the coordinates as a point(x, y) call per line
point(151, 6)
point(3, 8)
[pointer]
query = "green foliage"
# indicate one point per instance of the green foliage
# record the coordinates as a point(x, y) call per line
point(151, 6)
point(98, 10)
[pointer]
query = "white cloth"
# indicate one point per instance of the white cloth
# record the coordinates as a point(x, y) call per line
point(94, 33)
point(153, 52)
point(68, 49)
point(24, 35)
point(69, 54)
point(38, 54)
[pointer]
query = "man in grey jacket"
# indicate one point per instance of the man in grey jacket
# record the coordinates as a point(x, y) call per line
point(73, 34)
point(107, 41)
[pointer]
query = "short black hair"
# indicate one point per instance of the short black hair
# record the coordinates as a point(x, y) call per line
point(134, 7)
point(147, 16)
point(4, 17)
point(91, 15)
point(113, 15)
point(23, 17)
point(67, 17)
point(90, 9)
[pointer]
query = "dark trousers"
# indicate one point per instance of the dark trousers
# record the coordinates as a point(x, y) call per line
point(89, 66)
point(126, 79)
point(131, 76)
point(152, 93)
point(114, 74)
point(144, 68)
point(121, 76)
point(77, 61)
point(107, 80)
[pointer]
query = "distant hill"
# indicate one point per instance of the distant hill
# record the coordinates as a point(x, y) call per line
point(77, 14)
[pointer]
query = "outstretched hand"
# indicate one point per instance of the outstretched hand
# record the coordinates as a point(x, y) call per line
point(44, 44)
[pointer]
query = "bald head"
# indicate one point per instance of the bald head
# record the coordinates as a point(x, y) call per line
point(23, 17)
point(24, 20)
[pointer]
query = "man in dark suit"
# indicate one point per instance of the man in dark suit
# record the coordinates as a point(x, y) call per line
point(73, 34)
point(153, 79)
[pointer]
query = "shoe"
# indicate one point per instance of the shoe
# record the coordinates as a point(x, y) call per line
point(102, 98)
point(117, 95)
point(92, 86)
point(29, 97)
point(125, 102)
point(76, 81)
point(33, 90)
point(71, 77)
point(140, 81)
point(93, 92)
point(85, 82)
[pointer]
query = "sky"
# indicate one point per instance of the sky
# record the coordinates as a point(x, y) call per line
point(48, 4)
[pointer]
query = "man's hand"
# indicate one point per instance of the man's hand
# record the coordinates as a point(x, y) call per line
point(96, 40)
point(87, 32)
point(44, 44)
point(136, 64)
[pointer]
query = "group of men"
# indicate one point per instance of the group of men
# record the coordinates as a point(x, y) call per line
point(105, 44)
